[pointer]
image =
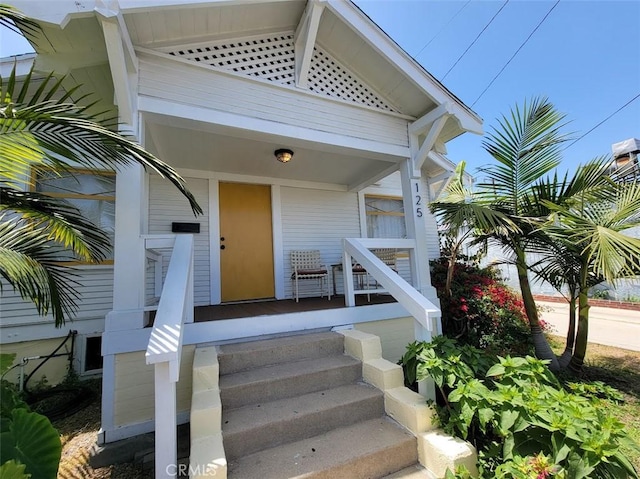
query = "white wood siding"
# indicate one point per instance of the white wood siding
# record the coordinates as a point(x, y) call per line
point(393, 182)
point(177, 81)
point(431, 226)
point(96, 300)
point(317, 219)
point(167, 205)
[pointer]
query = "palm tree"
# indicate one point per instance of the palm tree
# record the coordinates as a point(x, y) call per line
point(43, 130)
point(559, 262)
point(589, 226)
point(502, 209)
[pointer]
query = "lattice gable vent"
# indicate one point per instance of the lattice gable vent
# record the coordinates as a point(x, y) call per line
point(327, 76)
point(272, 58)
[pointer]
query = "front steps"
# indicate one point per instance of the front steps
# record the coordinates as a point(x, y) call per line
point(297, 406)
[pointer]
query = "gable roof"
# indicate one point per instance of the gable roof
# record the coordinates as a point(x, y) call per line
point(337, 34)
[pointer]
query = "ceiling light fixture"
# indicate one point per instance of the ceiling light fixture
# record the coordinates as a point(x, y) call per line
point(283, 155)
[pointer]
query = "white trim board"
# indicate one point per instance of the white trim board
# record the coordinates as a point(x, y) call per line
point(127, 341)
point(262, 180)
point(276, 131)
point(130, 430)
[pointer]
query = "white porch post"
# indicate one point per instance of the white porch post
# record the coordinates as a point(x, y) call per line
point(415, 203)
point(129, 258)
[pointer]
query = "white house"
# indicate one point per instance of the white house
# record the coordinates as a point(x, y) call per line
point(214, 88)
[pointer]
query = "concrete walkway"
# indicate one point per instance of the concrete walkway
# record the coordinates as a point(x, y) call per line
point(608, 326)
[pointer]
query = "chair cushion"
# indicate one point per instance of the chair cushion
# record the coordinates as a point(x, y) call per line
point(302, 272)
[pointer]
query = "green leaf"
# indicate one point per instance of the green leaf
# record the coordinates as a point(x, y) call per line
point(622, 461)
point(13, 470)
point(496, 370)
point(560, 447)
point(6, 361)
point(507, 420)
point(485, 415)
point(578, 467)
point(507, 447)
point(33, 441)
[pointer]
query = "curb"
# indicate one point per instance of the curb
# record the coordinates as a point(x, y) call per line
point(605, 303)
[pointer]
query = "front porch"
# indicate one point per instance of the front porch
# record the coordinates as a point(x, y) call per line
point(255, 309)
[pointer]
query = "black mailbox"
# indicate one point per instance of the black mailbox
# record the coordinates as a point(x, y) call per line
point(185, 227)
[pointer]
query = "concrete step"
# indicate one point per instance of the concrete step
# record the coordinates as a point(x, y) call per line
point(259, 426)
point(269, 383)
point(368, 449)
point(254, 354)
point(412, 472)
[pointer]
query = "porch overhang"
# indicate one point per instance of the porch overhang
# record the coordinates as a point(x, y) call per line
point(99, 44)
point(206, 140)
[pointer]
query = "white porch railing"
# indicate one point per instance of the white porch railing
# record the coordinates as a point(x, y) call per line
point(165, 346)
point(425, 313)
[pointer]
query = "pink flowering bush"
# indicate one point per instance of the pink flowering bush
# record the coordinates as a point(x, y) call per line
point(481, 310)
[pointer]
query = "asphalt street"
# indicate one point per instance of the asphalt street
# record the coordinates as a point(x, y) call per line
point(608, 326)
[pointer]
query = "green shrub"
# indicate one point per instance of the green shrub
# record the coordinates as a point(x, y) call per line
point(29, 445)
point(520, 418)
point(481, 310)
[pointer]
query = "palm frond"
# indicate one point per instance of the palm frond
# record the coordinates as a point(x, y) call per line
point(16, 21)
point(58, 221)
point(526, 147)
point(458, 207)
point(29, 263)
point(48, 133)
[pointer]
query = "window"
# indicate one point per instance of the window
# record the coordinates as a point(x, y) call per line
point(92, 358)
point(92, 192)
point(385, 217)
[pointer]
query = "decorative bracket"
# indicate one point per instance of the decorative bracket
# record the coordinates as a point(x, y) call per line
point(305, 39)
point(428, 126)
point(122, 60)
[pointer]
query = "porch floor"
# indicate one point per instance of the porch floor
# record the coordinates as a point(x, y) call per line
point(283, 306)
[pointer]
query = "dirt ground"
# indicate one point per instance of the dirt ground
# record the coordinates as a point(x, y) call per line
point(78, 435)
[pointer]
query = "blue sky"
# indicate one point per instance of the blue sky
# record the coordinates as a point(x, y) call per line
point(585, 57)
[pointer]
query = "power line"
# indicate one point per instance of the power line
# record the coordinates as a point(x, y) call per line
point(442, 29)
point(607, 118)
point(516, 52)
point(476, 39)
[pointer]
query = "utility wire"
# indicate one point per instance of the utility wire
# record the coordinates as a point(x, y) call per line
point(607, 118)
point(442, 29)
point(476, 39)
point(516, 52)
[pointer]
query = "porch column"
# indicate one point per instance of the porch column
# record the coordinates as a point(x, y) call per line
point(129, 258)
point(414, 196)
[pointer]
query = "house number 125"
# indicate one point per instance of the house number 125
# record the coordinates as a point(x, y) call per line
point(418, 200)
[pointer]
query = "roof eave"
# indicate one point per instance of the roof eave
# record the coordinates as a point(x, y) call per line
point(351, 14)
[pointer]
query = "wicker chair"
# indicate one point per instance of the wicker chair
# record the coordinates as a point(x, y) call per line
point(306, 264)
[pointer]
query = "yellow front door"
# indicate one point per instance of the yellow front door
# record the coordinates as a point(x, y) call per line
point(246, 242)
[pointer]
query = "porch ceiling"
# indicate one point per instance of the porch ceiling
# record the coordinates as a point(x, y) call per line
point(186, 144)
